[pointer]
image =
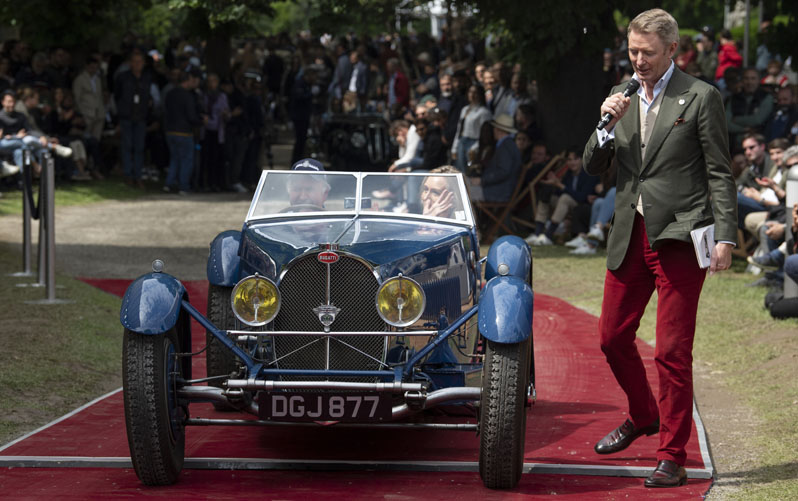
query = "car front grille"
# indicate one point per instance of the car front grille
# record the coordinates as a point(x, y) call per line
point(353, 288)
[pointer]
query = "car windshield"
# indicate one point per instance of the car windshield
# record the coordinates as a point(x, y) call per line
point(439, 196)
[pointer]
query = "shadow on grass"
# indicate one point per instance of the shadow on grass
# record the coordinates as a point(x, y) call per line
point(761, 475)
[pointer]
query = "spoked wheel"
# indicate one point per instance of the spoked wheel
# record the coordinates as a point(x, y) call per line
point(219, 360)
point(503, 414)
point(154, 418)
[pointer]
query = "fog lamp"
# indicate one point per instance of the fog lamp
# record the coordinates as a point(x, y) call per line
point(255, 300)
point(400, 301)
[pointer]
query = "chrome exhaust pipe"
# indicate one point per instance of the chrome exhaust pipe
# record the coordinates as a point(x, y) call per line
point(436, 398)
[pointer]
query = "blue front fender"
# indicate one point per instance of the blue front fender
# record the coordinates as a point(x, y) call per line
point(505, 310)
point(223, 260)
point(151, 304)
point(512, 252)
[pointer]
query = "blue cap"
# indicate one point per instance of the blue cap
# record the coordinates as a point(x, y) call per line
point(308, 164)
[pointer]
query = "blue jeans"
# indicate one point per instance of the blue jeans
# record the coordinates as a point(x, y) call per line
point(132, 148)
point(603, 208)
point(15, 146)
point(463, 145)
point(791, 267)
point(181, 161)
point(745, 206)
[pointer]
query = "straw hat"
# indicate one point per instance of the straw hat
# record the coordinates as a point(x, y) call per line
point(504, 122)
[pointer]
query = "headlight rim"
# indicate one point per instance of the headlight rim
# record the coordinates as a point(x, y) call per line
point(421, 310)
point(255, 276)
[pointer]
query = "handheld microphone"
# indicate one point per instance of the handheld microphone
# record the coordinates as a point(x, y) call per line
point(630, 89)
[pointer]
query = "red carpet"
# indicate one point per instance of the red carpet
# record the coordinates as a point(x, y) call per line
point(578, 402)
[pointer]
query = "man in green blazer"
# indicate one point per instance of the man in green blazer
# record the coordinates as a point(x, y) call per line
point(670, 143)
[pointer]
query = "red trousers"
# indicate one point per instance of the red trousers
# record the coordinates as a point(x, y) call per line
point(674, 272)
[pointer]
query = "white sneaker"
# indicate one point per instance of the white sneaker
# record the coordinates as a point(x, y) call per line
point(596, 233)
point(531, 239)
point(8, 169)
point(62, 151)
point(576, 242)
point(584, 250)
point(239, 188)
point(543, 240)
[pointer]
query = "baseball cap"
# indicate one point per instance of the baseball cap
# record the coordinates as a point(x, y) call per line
point(308, 164)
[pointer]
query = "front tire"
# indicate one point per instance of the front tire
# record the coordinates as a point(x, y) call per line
point(503, 414)
point(219, 360)
point(154, 418)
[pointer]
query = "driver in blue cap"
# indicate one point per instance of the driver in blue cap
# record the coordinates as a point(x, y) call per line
point(308, 190)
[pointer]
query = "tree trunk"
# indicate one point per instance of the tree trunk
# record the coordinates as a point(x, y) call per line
point(217, 53)
point(568, 103)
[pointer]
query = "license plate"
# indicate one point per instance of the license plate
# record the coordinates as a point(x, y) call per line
point(319, 406)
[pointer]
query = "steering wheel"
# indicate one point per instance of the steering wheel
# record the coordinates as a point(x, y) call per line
point(302, 208)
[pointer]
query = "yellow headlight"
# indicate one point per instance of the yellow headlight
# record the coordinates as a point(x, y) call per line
point(256, 300)
point(400, 301)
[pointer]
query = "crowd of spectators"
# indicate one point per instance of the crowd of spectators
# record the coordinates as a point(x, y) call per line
point(157, 114)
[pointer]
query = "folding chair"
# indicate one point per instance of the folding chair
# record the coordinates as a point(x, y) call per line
point(555, 164)
point(497, 212)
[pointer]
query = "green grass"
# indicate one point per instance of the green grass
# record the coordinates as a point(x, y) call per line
point(753, 355)
point(54, 357)
point(73, 194)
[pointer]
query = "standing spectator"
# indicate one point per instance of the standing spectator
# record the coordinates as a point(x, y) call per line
point(452, 100)
point(749, 109)
point(342, 73)
point(133, 103)
point(434, 148)
point(300, 109)
point(88, 91)
point(180, 119)
point(706, 57)
point(358, 84)
point(256, 120)
point(526, 120)
point(236, 132)
point(213, 140)
point(518, 93)
point(6, 80)
point(398, 88)
point(472, 117)
point(497, 97)
point(728, 56)
point(500, 176)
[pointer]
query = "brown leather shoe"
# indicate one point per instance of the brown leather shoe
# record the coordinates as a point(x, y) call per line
point(667, 474)
point(621, 437)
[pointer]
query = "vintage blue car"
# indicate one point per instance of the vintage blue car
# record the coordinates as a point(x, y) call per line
point(346, 297)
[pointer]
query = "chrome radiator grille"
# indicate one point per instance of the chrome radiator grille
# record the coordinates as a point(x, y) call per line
point(353, 288)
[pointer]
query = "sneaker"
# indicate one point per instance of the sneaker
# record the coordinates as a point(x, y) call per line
point(183, 193)
point(168, 189)
point(239, 188)
point(8, 169)
point(596, 233)
point(764, 262)
point(576, 242)
point(531, 239)
point(543, 240)
point(584, 250)
point(154, 175)
point(61, 150)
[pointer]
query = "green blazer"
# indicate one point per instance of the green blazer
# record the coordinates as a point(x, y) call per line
point(686, 180)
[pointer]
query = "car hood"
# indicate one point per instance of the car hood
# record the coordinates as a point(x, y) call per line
point(268, 246)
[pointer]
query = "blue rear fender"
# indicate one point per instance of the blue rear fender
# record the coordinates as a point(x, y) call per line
point(508, 256)
point(152, 303)
point(505, 310)
point(223, 260)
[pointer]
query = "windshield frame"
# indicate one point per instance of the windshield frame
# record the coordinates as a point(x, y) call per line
point(468, 221)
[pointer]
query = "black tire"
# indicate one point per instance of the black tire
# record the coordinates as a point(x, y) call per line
point(153, 416)
point(502, 414)
point(219, 360)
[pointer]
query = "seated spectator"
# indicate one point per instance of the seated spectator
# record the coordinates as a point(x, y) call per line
point(526, 121)
point(775, 78)
point(434, 154)
point(784, 116)
point(500, 175)
point(758, 164)
point(15, 126)
point(408, 139)
point(36, 75)
point(751, 195)
point(749, 109)
point(573, 189)
point(600, 209)
point(481, 153)
point(472, 117)
point(686, 53)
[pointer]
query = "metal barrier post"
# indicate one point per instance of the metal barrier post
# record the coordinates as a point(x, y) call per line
point(47, 232)
point(26, 217)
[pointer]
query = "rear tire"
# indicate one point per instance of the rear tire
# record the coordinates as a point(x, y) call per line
point(154, 418)
point(505, 374)
point(219, 360)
